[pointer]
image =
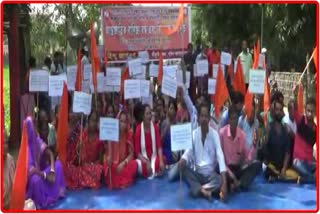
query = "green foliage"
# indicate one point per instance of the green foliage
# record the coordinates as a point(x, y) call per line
point(288, 29)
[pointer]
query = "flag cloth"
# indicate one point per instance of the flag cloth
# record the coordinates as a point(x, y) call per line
point(266, 100)
point(78, 85)
point(160, 69)
point(256, 53)
point(239, 83)
point(300, 99)
point(124, 76)
point(169, 31)
point(21, 175)
point(95, 61)
point(222, 94)
point(63, 128)
point(248, 102)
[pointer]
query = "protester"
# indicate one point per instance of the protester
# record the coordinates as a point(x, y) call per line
point(206, 152)
point(120, 157)
point(148, 149)
point(246, 61)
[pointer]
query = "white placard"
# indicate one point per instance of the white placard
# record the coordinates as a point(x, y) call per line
point(256, 81)
point(135, 67)
point(181, 137)
point(100, 82)
point(144, 56)
point(109, 129)
point(39, 80)
point(212, 86)
point(169, 86)
point(113, 77)
point(225, 58)
point(131, 89)
point(81, 102)
point(202, 67)
point(144, 88)
point(153, 70)
point(85, 86)
point(71, 77)
point(112, 88)
point(170, 70)
point(215, 68)
point(56, 85)
point(141, 76)
point(261, 60)
point(86, 72)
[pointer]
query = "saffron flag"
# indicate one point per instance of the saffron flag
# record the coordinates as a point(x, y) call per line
point(169, 31)
point(222, 94)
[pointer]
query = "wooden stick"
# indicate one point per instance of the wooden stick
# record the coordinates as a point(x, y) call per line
point(180, 182)
point(37, 113)
point(306, 68)
point(81, 127)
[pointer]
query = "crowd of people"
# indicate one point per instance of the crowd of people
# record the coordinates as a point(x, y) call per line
point(227, 152)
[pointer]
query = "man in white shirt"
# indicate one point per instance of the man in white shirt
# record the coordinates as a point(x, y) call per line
point(206, 152)
point(289, 117)
point(246, 61)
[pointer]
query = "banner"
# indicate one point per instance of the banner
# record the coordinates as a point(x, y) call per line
point(130, 29)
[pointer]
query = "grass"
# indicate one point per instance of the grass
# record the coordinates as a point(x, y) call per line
point(6, 97)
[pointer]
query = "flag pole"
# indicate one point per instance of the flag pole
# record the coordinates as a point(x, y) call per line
point(306, 67)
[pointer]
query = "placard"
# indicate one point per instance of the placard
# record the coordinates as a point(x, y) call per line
point(169, 86)
point(144, 56)
point(112, 88)
point(87, 68)
point(202, 67)
point(141, 76)
point(153, 70)
point(256, 81)
point(135, 67)
point(85, 86)
point(71, 77)
point(113, 77)
point(109, 129)
point(215, 68)
point(39, 81)
point(170, 70)
point(56, 85)
point(100, 82)
point(81, 102)
point(225, 58)
point(144, 88)
point(132, 89)
point(211, 86)
point(262, 59)
point(180, 78)
point(181, 137)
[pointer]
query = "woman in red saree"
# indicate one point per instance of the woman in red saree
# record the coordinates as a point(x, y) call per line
point(85, 170)
point(120, 157)
point(148, 149)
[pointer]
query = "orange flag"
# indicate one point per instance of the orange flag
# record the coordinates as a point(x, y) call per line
point(248, 101)
point(160, 68)
point(266, 100)
point(239, 83)
point(169, 31)
point(124, 77)
point(256, 53)
point(300, 99)
point(79, 73)
point(94, 57)
point(62, 132)
point(21, 175)
point(315, 57)
point(222, 93)
point(231, 71)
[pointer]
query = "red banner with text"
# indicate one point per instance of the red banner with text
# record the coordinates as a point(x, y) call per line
point(129, 29)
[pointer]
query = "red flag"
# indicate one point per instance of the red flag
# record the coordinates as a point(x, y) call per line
point(62, 132)
point(21, 175)
point(168, 31)
point(239, 83)
point(248, 101)
point(222, 93)
point(95, 62)
point(266, 100)
point(300, 99)
point(160, 68)
point(124, 77)
point(315, 58)
point(230, 71)
point(78, 85)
